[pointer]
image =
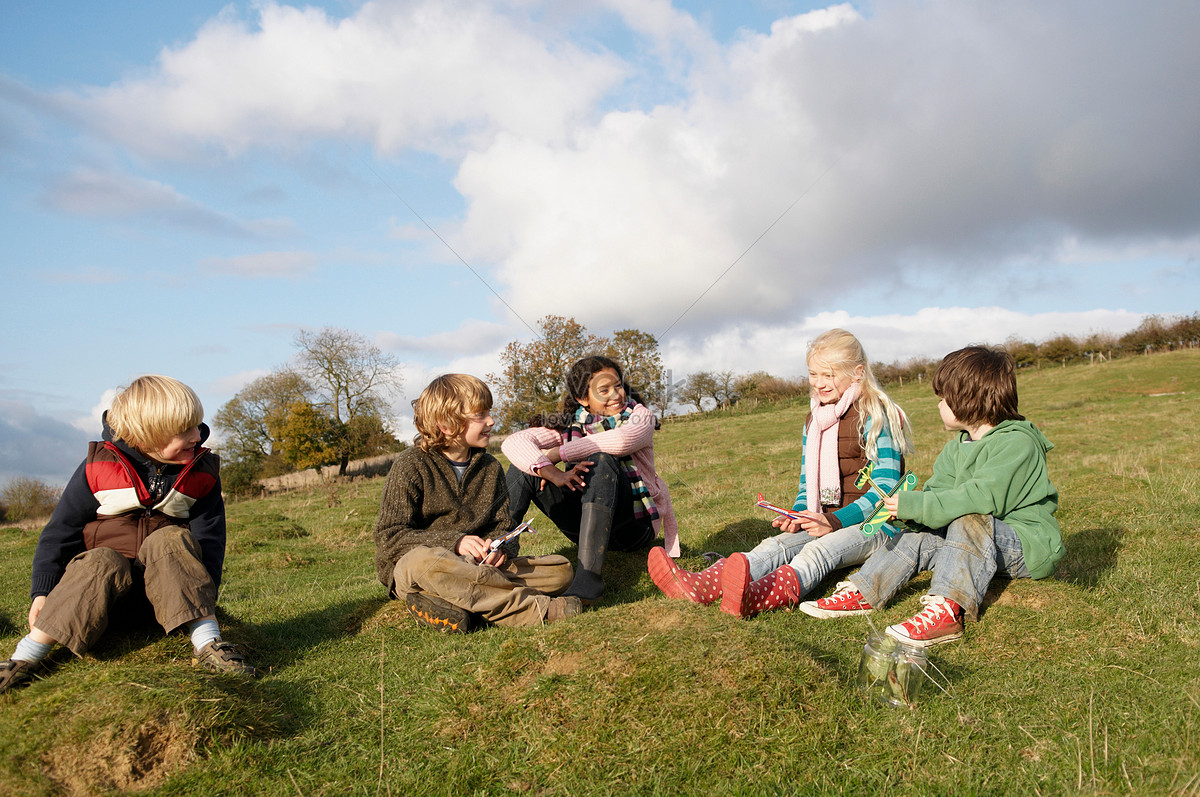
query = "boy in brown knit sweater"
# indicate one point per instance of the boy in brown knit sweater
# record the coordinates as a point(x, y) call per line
point(445, 500)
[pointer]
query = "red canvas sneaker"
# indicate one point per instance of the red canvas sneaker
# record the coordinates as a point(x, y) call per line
point(845, 602)
point(940, 621)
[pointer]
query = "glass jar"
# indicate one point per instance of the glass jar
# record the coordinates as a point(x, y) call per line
point(891, 671)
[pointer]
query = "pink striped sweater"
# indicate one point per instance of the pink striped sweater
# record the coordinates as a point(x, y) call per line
point(633, 438)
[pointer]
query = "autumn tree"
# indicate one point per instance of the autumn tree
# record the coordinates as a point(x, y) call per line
point(247, 418)
point(533, 375)
point(350, 378)
point(1060, 349)
point(638, 354)
point(306, 436)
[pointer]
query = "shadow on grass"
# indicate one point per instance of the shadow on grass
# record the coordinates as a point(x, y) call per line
point(131, 627)
point(623, 570)
point(7, 626)
point(1091, 553)
point(740, 536)
point(280, 644)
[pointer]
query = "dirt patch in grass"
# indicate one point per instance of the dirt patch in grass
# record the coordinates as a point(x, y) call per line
point(1020, 599)
point(567, 663)
point(121, 758)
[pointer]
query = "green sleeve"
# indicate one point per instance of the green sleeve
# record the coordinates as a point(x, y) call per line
point(993, 486)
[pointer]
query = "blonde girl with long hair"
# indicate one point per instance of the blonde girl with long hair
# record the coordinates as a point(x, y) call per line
point(852, 422)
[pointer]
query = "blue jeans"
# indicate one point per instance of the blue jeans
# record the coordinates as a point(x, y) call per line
point(963, 556)
point(813, 558)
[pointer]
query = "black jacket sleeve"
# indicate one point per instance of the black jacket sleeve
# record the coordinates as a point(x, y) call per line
point(62, 538)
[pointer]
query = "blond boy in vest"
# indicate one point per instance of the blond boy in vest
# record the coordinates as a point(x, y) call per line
point(140, 527)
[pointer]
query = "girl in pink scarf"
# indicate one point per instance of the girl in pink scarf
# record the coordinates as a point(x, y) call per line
point(851, 422)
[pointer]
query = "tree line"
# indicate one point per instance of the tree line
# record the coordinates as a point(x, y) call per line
point(332, 403)
point(1156, 333)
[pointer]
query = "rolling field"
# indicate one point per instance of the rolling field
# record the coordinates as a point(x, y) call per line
point(1084, 683)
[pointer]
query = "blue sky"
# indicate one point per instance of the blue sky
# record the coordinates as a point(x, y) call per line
point(184, 186)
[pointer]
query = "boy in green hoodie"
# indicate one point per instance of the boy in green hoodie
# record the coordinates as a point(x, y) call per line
point(987, 509)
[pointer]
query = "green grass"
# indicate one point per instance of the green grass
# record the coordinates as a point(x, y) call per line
point(1085, 683)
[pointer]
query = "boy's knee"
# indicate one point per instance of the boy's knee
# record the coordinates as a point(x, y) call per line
point(168, 541)
point(418, 562)
point(101, 563)
point(975, 527)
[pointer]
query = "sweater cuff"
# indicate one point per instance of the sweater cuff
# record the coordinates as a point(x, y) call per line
point(835, 522)
point(42, 585)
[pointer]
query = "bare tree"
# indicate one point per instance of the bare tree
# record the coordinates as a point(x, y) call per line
point(350, 377)
point(697, 388)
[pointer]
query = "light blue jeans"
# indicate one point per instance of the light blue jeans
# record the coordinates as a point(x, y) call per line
point(813, 558)
point(964, 557)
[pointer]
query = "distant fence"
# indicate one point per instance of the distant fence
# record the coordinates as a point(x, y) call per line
point(355, 469)
point(359, 468)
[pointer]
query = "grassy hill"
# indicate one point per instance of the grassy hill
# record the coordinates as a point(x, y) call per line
point(1088, 682)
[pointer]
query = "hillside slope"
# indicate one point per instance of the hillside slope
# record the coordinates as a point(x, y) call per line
point(1088, 682)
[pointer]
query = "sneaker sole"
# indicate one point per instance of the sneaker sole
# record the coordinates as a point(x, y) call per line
point(813, 610)
point(443, 618)
point(922, 643)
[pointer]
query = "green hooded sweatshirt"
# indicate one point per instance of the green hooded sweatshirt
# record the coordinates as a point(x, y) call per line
point(1003, 474)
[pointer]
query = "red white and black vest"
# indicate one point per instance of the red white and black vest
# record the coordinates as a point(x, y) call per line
point(128, 513)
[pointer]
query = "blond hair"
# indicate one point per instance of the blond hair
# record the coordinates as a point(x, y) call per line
point(152, 410)
point(447, 403)
point(842, 352)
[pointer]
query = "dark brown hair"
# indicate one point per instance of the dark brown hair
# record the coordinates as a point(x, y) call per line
point(979, 385)
point(579, 379)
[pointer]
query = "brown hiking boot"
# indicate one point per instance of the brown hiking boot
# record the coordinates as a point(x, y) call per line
point(222, 656)
point(440, 615)
point(15, 673)
point(563, 607)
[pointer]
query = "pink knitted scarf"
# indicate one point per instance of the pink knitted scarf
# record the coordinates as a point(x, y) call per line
point(822, 477)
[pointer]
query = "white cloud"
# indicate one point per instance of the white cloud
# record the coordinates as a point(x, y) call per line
point(107, 195)
point(931, 333)
point(926, 139)
point(469, 338)
point(93, 423)
point(428, 75)
point(835, 150)
point(232, 383)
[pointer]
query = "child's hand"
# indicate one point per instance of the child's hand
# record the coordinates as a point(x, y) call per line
point(892, 504)
point(496, 558)
point(35, 609)
point(784, 523)
point(571, 479)
point(472, 546)
point(815, 523)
